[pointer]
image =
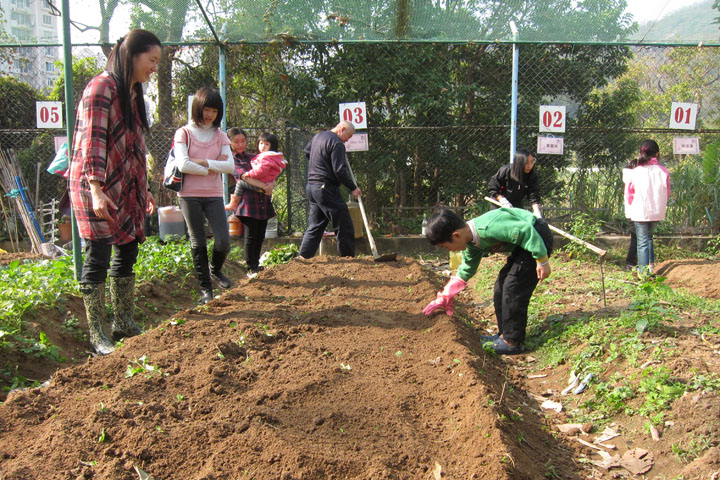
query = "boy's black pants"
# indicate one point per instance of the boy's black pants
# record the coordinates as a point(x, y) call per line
point(515, 285)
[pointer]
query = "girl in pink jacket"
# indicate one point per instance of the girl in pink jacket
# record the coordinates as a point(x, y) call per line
point(647, 190)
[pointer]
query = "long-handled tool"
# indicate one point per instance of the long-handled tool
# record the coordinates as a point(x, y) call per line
point(575, 239)
point(388, 257)
point(565, 234)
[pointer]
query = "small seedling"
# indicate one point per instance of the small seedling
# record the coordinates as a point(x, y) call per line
point(347, 368)
point(102, 408)
point(101, 438)
point(141, 365)
point(180, 397)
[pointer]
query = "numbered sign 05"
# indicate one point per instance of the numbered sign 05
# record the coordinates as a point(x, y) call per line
point(552, 118)
point(683, 115)
point(49, 114)
point(354, 113)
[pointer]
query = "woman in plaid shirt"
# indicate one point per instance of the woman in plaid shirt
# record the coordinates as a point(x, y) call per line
point(254, 205)
point(108, 182)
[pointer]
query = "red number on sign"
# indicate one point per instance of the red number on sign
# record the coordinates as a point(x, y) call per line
point(54, 115)
point(558, 119)
point(680, 115)
point(358, 115)
point(44, 114)
point(547, 119)
point(348, 115)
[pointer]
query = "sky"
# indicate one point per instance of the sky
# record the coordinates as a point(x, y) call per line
point(651, 10)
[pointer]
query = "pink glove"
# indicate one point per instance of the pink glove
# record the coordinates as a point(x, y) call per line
point(445, 298)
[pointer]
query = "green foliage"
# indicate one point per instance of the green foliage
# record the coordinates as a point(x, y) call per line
point(660, 390)
point(23, 97)
point(649, 303)
point(156, 257)
point(584, 227)
point(84, 69)
point(141, 365)
point(280, 254)
point(23, 288)
point(686, 452)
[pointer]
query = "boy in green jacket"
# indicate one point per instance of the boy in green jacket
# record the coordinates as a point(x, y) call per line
point(514, 230)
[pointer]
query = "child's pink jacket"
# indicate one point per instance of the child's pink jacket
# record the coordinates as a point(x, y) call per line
point(267, 166)
point(647, 190)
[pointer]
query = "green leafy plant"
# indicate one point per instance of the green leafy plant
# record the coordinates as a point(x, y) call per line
point(585, 227)
point(650, 306)
point(279, 255)
point(140, 365)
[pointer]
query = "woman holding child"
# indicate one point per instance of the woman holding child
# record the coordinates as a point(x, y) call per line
point(253, 191)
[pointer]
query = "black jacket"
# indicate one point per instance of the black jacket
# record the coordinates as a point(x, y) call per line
point(502, 184)
point(327, 162)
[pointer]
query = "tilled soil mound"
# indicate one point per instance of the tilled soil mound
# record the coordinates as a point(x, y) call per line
point(697, 275)
point(318, 369)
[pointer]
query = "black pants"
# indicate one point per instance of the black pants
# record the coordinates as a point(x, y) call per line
point(326, 204)
point(515, 285)
point(631, 258)
point(97, 260)
point(195, 210)
point(254, 232)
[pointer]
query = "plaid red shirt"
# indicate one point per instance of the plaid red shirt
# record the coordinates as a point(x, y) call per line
point(253, 204)
point(105, 149)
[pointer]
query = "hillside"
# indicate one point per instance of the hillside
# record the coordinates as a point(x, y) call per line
point(688, 24)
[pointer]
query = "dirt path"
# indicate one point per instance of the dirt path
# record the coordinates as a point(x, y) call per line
point(316, 369)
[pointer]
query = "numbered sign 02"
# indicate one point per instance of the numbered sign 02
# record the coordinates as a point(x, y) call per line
point(49, 114)
point(683, 115)
point(552, 118)
point(354, 113)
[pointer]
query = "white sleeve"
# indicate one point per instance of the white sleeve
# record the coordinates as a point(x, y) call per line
point(183, 161)
point(223, 166)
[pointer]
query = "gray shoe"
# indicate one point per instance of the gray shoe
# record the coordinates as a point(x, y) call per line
point(94, 299)
point(489, 338)
point(501, 347)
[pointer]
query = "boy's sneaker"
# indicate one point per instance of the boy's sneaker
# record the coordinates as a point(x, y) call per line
point(489, 338)
point(501, 347)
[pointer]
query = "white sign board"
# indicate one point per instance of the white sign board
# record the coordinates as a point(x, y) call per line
point(354, 113)
point(685, 145)
point(190, 100)
point(49, 114)
point(551, 145)
point(357, 143)
point(683, 115)
point(552, 118)
point(59, 142)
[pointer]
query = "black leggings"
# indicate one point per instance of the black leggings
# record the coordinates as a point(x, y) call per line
point(254, 231)
point(97, 260)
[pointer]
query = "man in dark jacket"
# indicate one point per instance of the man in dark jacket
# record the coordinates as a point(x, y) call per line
point(327, 170)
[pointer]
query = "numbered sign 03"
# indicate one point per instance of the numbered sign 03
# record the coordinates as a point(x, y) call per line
point(354, 113)
point(49, 114)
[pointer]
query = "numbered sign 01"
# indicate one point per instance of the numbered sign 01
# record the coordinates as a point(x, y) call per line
point(49, 114)
point(354, 113)
point(552, 118)
point(683, 115)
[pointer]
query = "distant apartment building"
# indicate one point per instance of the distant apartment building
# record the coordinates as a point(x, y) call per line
point(30, 22)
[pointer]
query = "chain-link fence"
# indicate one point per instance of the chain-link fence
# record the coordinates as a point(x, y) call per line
point(438, 120)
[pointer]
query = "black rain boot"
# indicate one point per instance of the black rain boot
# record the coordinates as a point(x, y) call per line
point(122, 298)
point(218, 260)
point(94, 299)
point(202, 272)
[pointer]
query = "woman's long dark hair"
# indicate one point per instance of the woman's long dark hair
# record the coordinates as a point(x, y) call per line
point(648, 150)
point(517, 171)
point(120, 65)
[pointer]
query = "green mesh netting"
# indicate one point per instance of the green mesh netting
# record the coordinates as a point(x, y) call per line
point(255, 21)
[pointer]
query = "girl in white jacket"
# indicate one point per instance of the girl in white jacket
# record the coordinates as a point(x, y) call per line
point(647, 190)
